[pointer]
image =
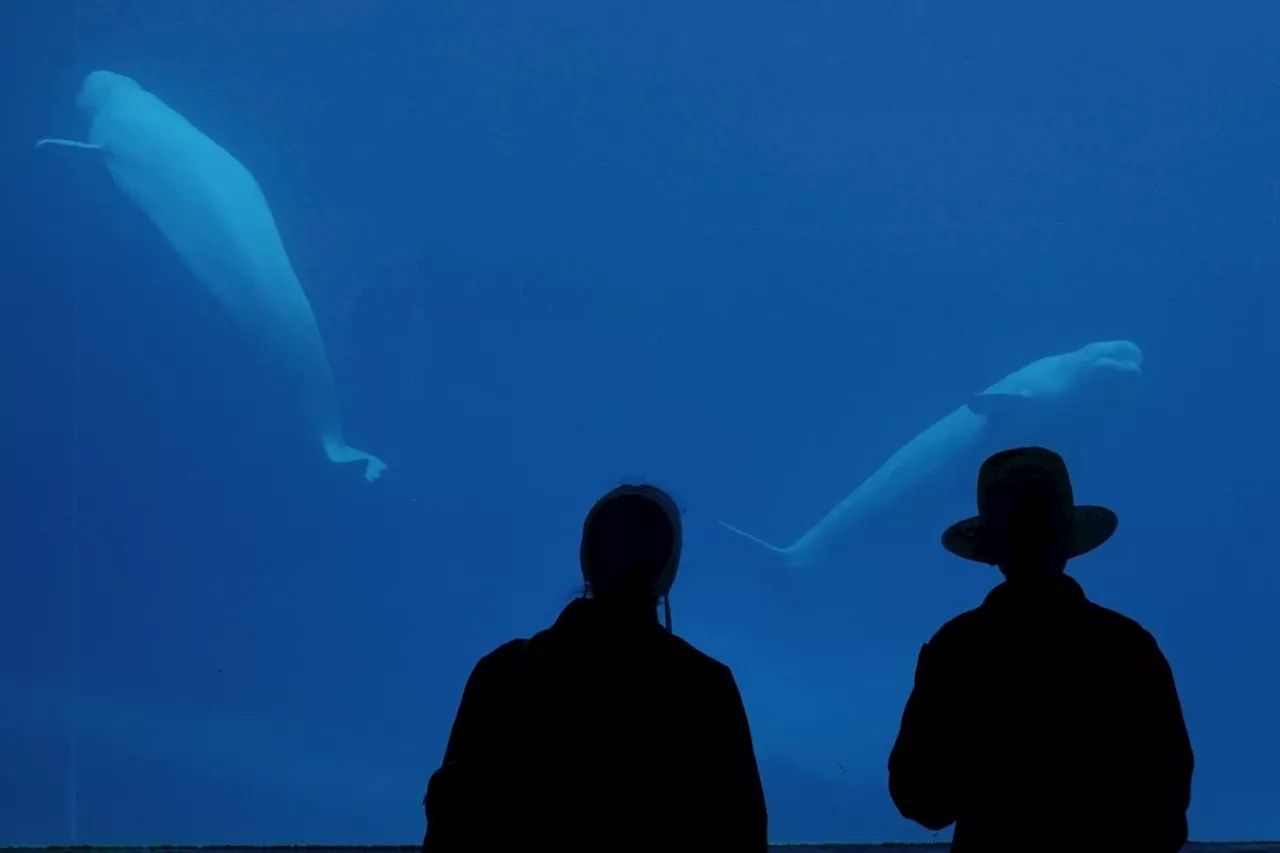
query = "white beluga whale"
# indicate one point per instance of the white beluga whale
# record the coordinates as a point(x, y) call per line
point(211, 210)
point(1051, 395)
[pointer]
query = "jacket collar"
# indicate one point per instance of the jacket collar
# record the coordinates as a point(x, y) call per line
point(588, 614)
point(1059, 590)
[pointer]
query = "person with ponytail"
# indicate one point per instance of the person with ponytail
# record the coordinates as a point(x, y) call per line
point(604, 731)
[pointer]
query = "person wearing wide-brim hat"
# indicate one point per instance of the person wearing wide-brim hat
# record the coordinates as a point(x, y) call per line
point(1041, 720)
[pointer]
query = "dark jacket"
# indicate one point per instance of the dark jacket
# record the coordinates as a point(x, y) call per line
point(598, 735)
point(1044, 721)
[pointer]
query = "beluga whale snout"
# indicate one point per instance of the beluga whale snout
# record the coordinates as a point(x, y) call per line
point(212, 212)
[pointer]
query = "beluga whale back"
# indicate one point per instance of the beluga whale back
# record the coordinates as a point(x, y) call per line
point(211, 210)
point(1050, 392)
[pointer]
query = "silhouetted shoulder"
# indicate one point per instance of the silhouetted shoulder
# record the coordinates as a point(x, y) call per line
point(698, 661)
point(1118, 628)
point(1124, 633)
point(499, 658)
point(959, 627)
point(965, 621)
point(1119, 623)
point(684, 647)
point(501, 654)
point(494, 668)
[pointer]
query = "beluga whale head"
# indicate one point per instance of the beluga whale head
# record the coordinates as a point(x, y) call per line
point(100, 86)
point(1109, 367)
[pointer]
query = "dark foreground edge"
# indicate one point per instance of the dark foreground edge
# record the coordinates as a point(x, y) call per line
point(1193, 847)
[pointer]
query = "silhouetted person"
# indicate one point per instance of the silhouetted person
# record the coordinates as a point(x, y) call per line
point(1041, 721)
point(604, 732)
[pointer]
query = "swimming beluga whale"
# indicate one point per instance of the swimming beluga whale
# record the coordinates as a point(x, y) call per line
point(212, 211)
point(1052, 391)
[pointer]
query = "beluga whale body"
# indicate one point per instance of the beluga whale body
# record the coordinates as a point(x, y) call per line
point(211, 210)
point(1045, 397)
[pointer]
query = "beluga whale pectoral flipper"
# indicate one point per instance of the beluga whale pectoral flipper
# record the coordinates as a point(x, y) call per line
point(211, 210)
point(1066, 390)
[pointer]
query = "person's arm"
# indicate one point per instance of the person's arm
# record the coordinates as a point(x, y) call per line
point(924, 763)
point(1166, 761)
point(460, 793)
point(746, 821)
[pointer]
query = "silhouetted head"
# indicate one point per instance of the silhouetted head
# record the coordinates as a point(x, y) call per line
point(631, 542)
point(99, 86)
point(1028, 523)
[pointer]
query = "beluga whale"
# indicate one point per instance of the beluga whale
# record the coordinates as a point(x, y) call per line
point(1052, 396)
point(213, 213)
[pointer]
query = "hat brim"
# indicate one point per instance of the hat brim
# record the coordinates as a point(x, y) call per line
point(1091, 526)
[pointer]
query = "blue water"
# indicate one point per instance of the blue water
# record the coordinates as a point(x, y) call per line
point(744, 250)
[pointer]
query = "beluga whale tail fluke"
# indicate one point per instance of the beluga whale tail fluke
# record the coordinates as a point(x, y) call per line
point(211, 210)
point(342, 453)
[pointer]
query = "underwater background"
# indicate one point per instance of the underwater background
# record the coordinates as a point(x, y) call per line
point(743, 250)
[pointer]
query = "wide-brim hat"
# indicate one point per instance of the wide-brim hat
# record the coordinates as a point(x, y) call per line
point(1023, 477)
